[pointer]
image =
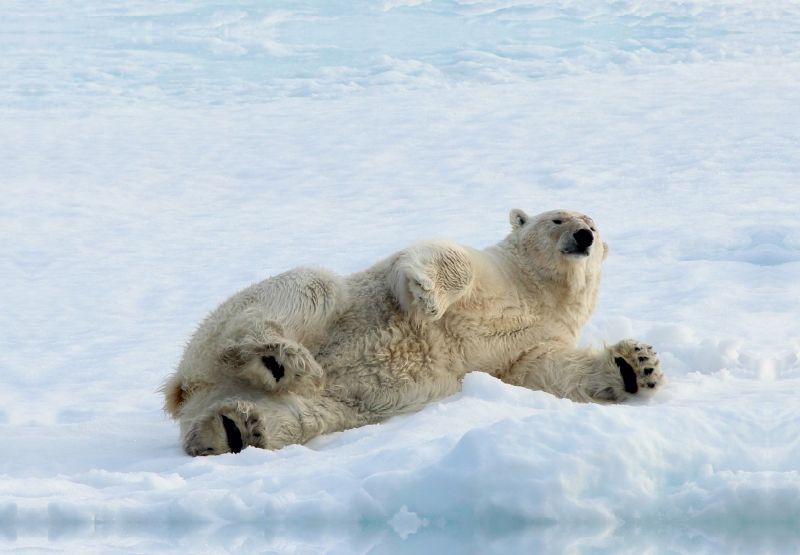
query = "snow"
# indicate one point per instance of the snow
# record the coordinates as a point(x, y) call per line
point(157, 157)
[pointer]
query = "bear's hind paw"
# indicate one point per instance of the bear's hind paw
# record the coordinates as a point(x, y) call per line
point(275, 366)
point(223, 430)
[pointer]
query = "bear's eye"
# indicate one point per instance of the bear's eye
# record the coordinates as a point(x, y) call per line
point(557, 222)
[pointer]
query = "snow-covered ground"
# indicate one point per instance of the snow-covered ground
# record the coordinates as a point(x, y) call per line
point(155, 157)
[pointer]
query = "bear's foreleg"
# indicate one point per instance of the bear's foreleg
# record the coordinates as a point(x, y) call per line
point(429, 277)
point(611, 375)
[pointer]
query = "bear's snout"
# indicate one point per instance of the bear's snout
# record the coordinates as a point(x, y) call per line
point(584, 238)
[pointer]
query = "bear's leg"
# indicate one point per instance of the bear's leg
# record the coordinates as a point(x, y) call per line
point(611, 375)
point(638, 366)
point(267, 344)
point(268, 423)
point(271, 362)
point(259, 341)
point(429, 277)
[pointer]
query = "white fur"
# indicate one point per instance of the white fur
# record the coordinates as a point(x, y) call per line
point(400, 334)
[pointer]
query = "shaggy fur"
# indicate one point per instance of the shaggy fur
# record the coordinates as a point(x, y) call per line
point(308, 352)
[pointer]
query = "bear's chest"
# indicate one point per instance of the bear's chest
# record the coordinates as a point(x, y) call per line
point(491, 338)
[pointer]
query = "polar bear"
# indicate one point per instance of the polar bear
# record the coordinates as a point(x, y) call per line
point(308, 352)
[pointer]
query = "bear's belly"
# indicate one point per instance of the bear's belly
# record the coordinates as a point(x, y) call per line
point(379, 362)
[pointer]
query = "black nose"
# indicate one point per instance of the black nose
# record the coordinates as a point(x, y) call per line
point(584, 238)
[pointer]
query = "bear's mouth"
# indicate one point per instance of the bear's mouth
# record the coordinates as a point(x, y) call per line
point(578, 251)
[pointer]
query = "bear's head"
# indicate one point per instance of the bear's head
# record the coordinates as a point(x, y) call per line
point(559, 244)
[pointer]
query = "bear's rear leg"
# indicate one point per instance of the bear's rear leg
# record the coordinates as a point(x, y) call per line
point(272, 363)
point(231, 425)
point(222, 430)
point(234, 425)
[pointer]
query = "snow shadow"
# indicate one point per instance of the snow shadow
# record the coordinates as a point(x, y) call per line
point(759, 247)
point(379, 538)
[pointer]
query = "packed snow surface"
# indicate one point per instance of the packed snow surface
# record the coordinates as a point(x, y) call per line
point(156, 157)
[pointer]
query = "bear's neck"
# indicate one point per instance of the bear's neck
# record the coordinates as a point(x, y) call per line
point(571, 293)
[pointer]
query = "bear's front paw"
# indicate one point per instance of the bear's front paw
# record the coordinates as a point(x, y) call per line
point(638, 366)
point(424, 296)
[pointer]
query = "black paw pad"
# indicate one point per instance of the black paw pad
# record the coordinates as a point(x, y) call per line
point(628, 375)
point(273, 366)
point(234, 435)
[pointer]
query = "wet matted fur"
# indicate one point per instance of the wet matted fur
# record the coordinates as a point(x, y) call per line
point(308, 352)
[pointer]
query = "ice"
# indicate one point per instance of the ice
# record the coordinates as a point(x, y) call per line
point(157, 157)
point(405, 523)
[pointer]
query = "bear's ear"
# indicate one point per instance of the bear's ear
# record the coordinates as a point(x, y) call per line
point(518, 218)
point(606, 250)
